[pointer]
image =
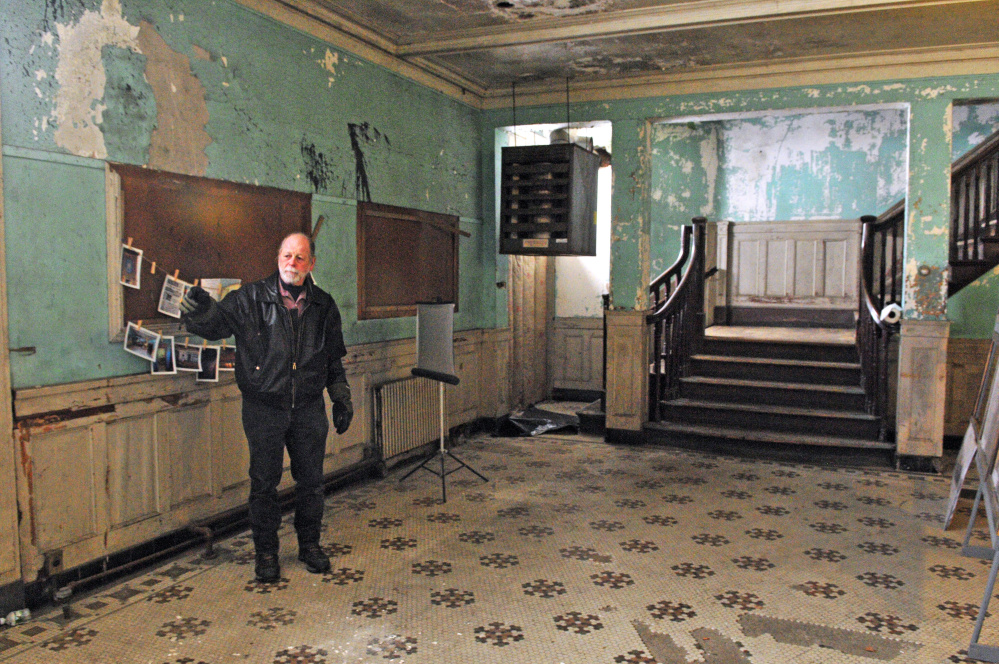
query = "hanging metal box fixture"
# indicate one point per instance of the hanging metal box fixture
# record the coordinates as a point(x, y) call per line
point(548, 200)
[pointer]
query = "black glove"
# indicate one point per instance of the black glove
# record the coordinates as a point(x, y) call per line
point(196, 302)
point(341, 410)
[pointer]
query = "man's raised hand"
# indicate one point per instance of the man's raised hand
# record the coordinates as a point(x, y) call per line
point(196, 302)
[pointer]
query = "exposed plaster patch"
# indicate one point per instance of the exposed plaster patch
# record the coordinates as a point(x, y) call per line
point(178, 143)
point(642, 299)
point(801, 152)
point(329, 62)
point(925, 295)
point(657, 194)
point(79, 102)
point(938, 230)
point(933, 93)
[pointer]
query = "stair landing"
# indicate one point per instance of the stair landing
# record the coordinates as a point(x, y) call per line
point(817, 335)
point(774, 391)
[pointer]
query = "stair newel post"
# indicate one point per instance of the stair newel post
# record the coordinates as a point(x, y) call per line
point(655, 386)
point(700, 241)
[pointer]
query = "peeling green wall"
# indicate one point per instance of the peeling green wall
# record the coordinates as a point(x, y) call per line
point(212, 89)
point(928, 101)
point(685, 167)
point(972, 310)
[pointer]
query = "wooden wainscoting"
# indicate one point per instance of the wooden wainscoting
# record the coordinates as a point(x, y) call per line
point(576, 354)
point(106, 465)
point(788, 265)
point(966, 360)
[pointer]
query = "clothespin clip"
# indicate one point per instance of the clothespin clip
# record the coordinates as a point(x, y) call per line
point(204, 343)
point(223, 343)
point(139, 324)
point(129, 243)
point(196, 281)
point(152, 267)
point(187, 341)
point(176, 273)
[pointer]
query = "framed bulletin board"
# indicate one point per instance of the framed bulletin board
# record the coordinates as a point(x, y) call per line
point(404, 256)
point(197, 227)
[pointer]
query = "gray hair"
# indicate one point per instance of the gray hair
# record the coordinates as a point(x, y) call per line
point(312, 242)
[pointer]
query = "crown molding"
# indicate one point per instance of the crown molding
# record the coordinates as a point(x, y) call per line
point(310, 18)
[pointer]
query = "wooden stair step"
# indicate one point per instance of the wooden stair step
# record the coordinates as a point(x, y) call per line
point(764, 436)
point(790, 411)
point(775, 385)
point(818, 364)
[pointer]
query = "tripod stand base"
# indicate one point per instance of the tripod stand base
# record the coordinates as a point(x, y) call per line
point(442, 454)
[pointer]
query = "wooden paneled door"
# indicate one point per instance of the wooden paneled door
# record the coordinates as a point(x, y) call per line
point(11, 587)
point(532, 308)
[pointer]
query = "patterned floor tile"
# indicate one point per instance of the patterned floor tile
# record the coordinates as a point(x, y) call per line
point(573, 551)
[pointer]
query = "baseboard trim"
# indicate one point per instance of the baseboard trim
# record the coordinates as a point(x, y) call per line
point(569, 394)
point(625, 437)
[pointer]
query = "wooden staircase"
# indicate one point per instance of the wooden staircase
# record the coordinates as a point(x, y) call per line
point(772, 388)
point(974, 236)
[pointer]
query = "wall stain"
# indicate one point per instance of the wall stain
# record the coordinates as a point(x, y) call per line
point(318, 169)
point(364, 134)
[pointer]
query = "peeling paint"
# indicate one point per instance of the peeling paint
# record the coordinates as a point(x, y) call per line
point(925, 294)
point(939, 230)
point(179, 140)
point(79, 102)
point(329, 63)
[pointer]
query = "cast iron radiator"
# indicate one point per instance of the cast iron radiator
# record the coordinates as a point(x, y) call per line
point(407, 415)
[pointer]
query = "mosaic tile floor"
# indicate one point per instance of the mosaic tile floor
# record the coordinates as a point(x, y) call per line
point(575, 551)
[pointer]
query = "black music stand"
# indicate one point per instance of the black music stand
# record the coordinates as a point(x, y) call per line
point(435, 360)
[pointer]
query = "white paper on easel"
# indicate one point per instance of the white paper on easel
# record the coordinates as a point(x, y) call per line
point(964, 458)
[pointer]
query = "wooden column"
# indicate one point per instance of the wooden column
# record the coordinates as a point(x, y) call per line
point(11, 586)
point(627, 373)
point(922, 388)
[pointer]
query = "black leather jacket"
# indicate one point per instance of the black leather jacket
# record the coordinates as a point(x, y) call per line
point(273, 365)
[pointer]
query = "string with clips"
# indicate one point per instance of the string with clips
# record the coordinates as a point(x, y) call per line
point(176, 274)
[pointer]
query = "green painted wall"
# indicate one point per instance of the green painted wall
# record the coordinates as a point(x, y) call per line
point(972, 310)
point(213, 89)
point(685, 170)
point(929, 154)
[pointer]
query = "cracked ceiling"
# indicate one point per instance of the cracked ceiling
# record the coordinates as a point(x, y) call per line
point(486, 46)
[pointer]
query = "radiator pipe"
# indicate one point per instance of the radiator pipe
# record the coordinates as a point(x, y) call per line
point(63, 593)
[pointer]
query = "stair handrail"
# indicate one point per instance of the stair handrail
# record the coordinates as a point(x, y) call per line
point(880, 286)
point(678, 322)
point(663, 286)
point(974, 203)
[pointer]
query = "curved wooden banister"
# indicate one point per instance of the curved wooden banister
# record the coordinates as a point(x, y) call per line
point(880, 285)
point(665, 281)
point(677, 317)
point(675, 299)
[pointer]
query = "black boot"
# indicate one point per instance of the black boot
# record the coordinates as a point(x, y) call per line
point(267, 568)
point(316, 561)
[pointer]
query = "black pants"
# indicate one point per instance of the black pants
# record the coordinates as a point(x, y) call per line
point(303, 432)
